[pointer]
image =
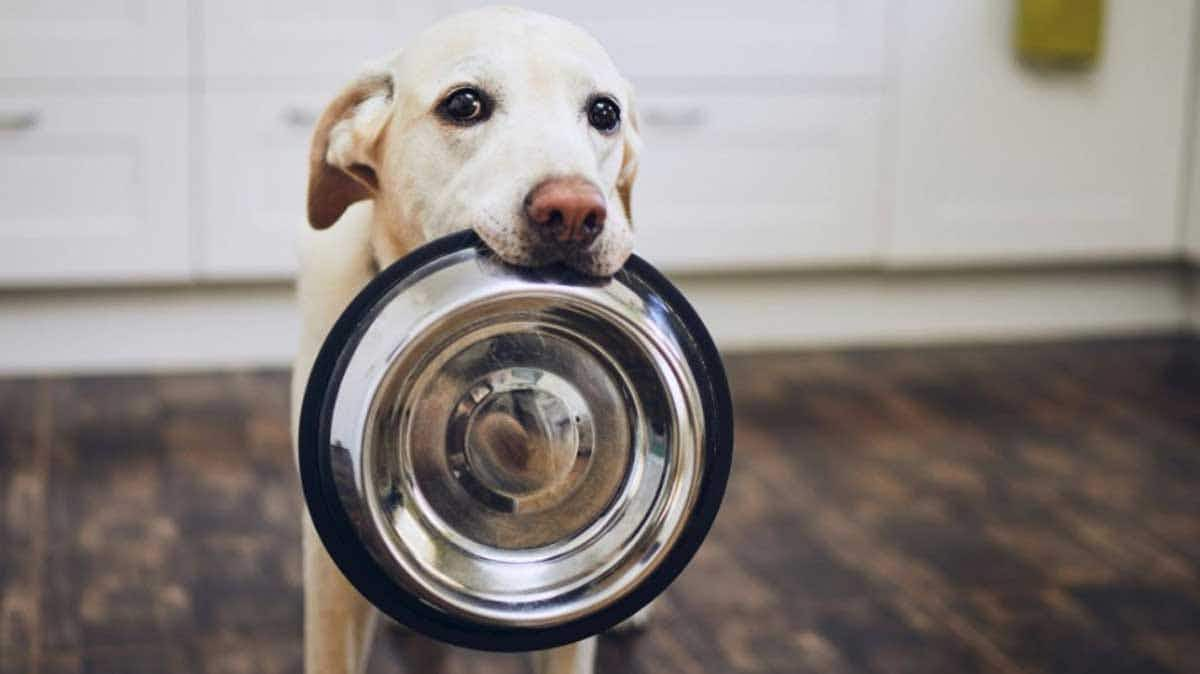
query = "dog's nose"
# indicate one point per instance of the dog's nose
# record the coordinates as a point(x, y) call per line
point(567, 210)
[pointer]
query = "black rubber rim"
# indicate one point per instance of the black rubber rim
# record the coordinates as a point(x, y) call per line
point(336, 533)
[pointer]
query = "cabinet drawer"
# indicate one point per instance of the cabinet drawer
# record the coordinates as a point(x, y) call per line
point(99, 38)
point(759, 38)
point(757, 181)
point(310, 38)
point(255, 149)
point(999, 164)
point(725, 181)
point(93, 187)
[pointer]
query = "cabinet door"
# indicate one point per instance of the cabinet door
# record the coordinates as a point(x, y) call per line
point(757, 180)
point(305, 38)
point(94, 188)
point(1191, 229)
point(98, 38)
point(759, 38)
point(254, 176)
point(1191, 237)
point(998, 163)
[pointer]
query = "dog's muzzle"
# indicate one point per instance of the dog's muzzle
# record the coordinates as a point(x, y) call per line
point(514, 459)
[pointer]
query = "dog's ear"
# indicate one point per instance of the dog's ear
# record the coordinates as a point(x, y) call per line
point(342, 160)
point(631, 153)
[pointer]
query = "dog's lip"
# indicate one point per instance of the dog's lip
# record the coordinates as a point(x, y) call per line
point(580, 269)
point(540, 256)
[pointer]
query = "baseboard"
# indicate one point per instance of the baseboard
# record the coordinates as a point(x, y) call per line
point(135, 330)
point(202, 327)
point(1192, 299)
point(895, 308)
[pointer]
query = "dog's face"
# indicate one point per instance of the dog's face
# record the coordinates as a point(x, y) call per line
point(512, 123)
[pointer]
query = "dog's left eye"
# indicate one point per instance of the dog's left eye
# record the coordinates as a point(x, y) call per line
point(465, 106)
point(604, 115)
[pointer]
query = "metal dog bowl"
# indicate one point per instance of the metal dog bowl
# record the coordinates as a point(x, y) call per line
point(513, 459)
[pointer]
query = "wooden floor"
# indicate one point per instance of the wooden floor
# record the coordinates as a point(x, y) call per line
point(982, 509)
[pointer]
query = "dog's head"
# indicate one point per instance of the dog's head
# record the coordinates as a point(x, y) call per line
point(513, 123)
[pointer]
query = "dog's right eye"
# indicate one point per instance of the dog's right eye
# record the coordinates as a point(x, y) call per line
point(465, 106)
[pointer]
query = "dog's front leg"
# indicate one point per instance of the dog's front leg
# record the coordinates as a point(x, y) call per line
point(338, 623)
point(576, 658)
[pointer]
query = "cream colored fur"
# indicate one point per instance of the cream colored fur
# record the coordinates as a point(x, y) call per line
point(387, 175)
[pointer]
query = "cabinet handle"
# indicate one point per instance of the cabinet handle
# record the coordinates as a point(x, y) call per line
point(298, 117)
point(675, 118)
point(22, 120)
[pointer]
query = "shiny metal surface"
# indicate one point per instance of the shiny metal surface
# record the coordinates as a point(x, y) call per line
point(516, 448)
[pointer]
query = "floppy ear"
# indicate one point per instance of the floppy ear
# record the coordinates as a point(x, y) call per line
point(342, 161)
point(631, 154)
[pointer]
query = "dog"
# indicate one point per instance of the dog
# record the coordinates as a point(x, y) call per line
point(513, 123)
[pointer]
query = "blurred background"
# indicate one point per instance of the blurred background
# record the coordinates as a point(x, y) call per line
point(949, 247)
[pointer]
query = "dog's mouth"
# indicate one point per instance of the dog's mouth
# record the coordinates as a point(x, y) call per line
point(558, 271)
point(580, 269)
point(594, 261)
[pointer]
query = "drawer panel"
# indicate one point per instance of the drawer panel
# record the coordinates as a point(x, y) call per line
point(725, 181)
point(307, 38)
point(758, 38)
point(99, 38)
point(758, 181)
point(94, 188)
point(255, 149)
point(818, 39)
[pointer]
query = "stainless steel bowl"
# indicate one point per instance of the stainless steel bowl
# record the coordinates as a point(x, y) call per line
point(514, 459)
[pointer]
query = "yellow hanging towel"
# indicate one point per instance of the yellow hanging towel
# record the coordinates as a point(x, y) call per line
point(1059, 33)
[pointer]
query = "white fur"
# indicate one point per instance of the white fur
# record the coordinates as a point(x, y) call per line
point(415, 177)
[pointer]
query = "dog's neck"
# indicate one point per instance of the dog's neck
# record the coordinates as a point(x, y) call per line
point(386, 246)
point(382, 252)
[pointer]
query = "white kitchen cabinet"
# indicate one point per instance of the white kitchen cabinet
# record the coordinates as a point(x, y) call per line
point(997, 163)
point(255, 176)
point(94, 188)
point(97, 38)
point(745, 181)
point(817, 39)
point(305, 38)
point(777, 135)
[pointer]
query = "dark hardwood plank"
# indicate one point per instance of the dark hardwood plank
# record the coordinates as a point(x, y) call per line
point(25, 436)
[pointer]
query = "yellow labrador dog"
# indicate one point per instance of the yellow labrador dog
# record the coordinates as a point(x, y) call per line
point(513, 123)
